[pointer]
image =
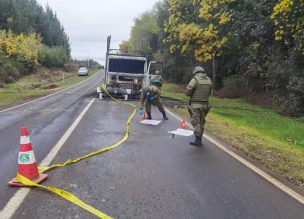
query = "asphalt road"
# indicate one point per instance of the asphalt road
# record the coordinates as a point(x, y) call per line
point(151, 175)
point(46, 119)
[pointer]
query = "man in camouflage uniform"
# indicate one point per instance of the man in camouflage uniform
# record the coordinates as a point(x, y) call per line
point(151, 96)
point(199, 89)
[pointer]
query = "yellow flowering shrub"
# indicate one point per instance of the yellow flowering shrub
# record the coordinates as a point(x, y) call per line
point(24, 48)
point(205, 42)
point(288, 17)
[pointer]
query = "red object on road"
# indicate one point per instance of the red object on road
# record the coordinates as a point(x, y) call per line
point(143, 116)
point(183, 124)
point(27, 166)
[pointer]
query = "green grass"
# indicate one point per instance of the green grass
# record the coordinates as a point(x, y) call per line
point(10, 98)
point(264, 121)
point(169, 90)
point(274, 140)
point(37, 85)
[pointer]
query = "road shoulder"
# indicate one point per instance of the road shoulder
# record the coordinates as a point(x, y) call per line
point(270, 176)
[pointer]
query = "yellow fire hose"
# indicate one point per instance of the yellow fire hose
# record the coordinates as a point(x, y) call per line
point(67, 195)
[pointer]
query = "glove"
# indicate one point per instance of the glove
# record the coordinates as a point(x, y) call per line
point(141, 111)
point(152, 98)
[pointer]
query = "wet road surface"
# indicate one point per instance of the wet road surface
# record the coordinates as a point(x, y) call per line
point(46, 119)
point(151, 175)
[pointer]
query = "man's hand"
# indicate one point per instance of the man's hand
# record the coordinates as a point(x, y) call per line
point(189, 92)
point(141, 111)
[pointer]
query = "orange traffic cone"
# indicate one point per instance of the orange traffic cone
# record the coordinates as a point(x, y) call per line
point(27, 166)
point(183, 124)
point(143, 116)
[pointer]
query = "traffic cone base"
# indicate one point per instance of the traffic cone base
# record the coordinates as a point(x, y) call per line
point(143, 116)
point(183, 124)
point(15, 182)
point(27, 166)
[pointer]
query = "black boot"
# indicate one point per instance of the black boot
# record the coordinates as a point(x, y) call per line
point(164, 116)
point(149, 115)
point(197, 141)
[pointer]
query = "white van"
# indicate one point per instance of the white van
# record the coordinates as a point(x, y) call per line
point(83, 71)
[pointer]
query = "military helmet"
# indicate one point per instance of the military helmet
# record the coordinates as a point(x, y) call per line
point(198, 69)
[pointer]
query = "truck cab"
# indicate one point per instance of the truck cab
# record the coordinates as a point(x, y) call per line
point(126, 73)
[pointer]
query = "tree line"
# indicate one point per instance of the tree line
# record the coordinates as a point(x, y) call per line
point(29, 35)
point(27, 16)
point(252, 49)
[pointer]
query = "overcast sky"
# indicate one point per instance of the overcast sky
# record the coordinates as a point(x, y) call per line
point(89, 22)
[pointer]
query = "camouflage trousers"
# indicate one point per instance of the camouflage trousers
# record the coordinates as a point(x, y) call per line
point(198, 115)
point(158, 102)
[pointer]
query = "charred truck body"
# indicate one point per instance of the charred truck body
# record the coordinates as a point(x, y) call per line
point(126, 73)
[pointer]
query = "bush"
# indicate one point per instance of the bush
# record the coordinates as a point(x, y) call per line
point(23, 48)
point(50, 86)
point(71, 67)
point(233, 87)
point(287, 81)
point(53, 57)
point(10, 70)
point(292, 101)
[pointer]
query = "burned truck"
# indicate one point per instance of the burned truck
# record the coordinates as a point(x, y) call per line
point(126, 73)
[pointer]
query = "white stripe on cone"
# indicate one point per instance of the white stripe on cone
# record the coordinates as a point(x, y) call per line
point(26, 157)
point(25, 140)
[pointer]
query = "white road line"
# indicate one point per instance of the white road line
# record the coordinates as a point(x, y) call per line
point(249, 165)
point(14, 203)
point(41, 98)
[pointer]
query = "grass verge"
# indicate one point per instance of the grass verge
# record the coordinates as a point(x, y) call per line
point(275, 141)
point(41, 83)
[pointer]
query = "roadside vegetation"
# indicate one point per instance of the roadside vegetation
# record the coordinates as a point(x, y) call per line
point(251, 49)
point(273, 140)
point(34, 53)
point(41, 83)
point(30, 36)
point(253, 52)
